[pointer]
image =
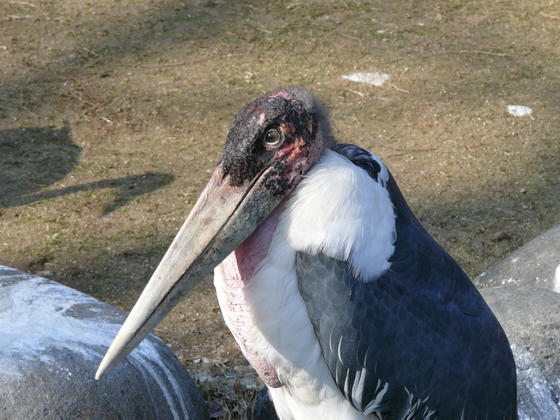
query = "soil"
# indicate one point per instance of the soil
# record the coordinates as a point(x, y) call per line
point(114, 113)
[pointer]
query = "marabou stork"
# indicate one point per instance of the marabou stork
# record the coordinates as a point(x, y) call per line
point(343, 303)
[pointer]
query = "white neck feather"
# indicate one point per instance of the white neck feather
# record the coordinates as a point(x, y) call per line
point(339, 210)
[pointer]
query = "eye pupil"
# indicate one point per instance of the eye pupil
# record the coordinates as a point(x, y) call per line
point(272, 137)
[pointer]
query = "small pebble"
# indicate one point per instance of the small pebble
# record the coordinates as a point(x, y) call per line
point(519, 110)
point(374, 79)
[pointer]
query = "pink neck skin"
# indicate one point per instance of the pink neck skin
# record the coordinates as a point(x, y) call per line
point(239, 267)
point(254, 249)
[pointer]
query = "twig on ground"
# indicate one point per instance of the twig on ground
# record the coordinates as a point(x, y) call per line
point(25, 3)
point(357, 93)
point(152, 66)
point(85, 101)
point(17, 17)
point(156, 65)
point(405, 152)
point(350, 36)
point(31, 112)
point(398, 88)
point(90, 51)
point(95, 108)
point(266, 31)
point(550, 16)
point(482, 52)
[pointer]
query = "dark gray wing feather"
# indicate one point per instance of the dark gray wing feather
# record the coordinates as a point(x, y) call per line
point(417, 342)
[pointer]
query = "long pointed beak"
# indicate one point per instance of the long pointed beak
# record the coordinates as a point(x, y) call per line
point(221, 219)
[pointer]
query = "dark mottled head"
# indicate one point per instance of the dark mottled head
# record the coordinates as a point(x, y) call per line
point(286, 130)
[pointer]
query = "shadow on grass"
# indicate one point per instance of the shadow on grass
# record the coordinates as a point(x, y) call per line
point(32, 159)
point(100, 43)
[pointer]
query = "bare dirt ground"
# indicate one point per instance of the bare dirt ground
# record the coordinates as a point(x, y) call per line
point(113, 114)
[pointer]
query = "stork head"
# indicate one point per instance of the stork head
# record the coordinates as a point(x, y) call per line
point(279, 135)
point(272, 143)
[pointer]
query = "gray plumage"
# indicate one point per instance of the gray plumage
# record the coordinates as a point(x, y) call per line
point(416, 342)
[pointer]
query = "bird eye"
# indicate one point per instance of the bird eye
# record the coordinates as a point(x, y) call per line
point(273, 138)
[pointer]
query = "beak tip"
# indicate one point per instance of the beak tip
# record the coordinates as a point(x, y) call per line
point(103, 366)
point(111, 358)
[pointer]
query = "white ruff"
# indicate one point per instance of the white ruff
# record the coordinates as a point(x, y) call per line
point(339, 210)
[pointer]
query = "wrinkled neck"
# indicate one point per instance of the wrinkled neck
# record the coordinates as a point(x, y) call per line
point(251, 253)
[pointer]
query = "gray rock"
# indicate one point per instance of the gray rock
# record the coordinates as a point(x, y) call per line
point(52, 339)
point(537, 263)
point(531, 319)
point(522, 290)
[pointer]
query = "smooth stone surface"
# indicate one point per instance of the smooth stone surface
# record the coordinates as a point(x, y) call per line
point(537, 263)
point(52, 339)
point(531, 319)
